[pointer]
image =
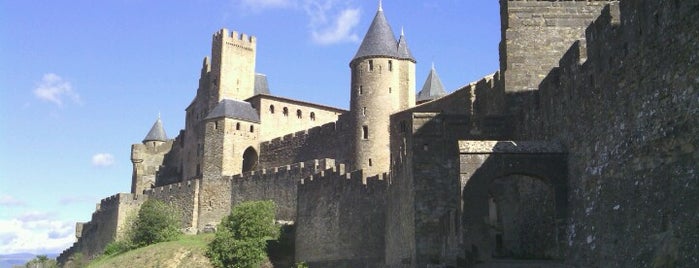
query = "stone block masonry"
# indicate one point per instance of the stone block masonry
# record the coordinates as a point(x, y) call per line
point(624, 103)
point(341, 219)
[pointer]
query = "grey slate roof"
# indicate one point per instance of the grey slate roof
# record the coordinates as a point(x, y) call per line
point(261, 85)
point(432, 89)
point(234, 109)
point(379, 40)
point(403, 50)
point(156, 133)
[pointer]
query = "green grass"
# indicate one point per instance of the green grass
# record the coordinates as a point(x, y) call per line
point(188, 251)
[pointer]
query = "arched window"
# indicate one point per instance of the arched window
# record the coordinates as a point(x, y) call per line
point(285, 111)
point(252, 128)
point(299, 114)
point(271, 109)
point(365, 132)
point(249, 159)
point(313, 116)
point(237, 126)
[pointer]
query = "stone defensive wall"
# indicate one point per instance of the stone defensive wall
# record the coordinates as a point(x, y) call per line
point(624, 103)
point(183, 197)
point(341, 219)
point(315, 143)
point(277, 184)
point(108, 222)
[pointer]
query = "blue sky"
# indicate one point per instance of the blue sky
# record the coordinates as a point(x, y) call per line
point(80, 81)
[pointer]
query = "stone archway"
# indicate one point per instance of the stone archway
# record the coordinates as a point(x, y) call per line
point(250, 159)
point(514, 199)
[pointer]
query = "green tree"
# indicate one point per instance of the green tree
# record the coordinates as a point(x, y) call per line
point(156, 222)
point(41, 261)
point(241, 237)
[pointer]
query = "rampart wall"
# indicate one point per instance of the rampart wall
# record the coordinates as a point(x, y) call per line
point(183, 197)
point(326, 141)
point(341, 219)
point(108, 223)
point(624, 103)
point(277, 184)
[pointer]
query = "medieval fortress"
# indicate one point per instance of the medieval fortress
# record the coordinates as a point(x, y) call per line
point(582, 149)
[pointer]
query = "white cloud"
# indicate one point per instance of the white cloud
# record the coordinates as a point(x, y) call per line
point(341, 30)
point(102, 160)
point(10, 201)
point(53, 88)
point(36, 233)
point(267, 4)
point(330, 21)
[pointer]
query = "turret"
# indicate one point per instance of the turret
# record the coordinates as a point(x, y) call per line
point(383, 82)
point(432, 89)
point(156, 133)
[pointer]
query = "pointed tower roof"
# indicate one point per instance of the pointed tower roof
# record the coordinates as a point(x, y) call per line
point(235, 109)
point(156, 133)
point(432, 89)
point(379, 39)
point(403, 50)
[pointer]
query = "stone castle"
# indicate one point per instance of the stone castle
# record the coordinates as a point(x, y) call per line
point(581, 150)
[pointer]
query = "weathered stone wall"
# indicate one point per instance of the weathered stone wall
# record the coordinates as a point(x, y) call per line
point(109, 222)
point(280, 116)
point(535, 34)
point(276, 184)
point(232, 66)
point(326, 141)
point(183, 197)
point(341, 220)
point(147, 159)
point(624, 103)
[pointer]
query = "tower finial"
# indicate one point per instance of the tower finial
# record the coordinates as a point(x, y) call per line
point(433, 65)
point(380, 5)
point(402, 33)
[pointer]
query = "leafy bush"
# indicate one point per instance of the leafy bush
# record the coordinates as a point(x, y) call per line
point(41, 261)
point(156, 222)
point(241, 238)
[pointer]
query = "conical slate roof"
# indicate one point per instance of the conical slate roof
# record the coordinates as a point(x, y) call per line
point(432, 89)
point(156, 133)
point(403, 50)
point(379, 39)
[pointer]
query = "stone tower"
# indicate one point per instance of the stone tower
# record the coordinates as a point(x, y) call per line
point(383, 82)
point(147, 157)
point(232, 67)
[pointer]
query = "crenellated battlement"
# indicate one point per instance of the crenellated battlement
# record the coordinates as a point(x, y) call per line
point(338, 174)
point(175, 187)
point(235, 37)
point(324, 131)
point(297, 170)
point(119, 199)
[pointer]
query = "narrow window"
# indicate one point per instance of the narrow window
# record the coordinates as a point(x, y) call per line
point(299, 114)
point(365, 132)
point(285, 111)
point(271, 109)
point(198, 170)
point(370, 164)
point(252, 128)
point(403, 126)
point(390, 65)
point(360, 90)
point(237, 126)
point(216, 125)
point(313, 116)
point(371, 65)
point(364, 111)
point(390, 89)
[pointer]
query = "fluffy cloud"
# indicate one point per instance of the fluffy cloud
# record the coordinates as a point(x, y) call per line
point(330, 21)
point(53, 88)
point(102, 160)
point(341, 30)
point(10, 201)
point(35, 232)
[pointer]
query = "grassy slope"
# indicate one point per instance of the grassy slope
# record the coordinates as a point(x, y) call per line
point(187, 252)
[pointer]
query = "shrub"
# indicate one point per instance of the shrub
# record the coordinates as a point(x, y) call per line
point(241, 237)
point(156, 222)
point(118, 247)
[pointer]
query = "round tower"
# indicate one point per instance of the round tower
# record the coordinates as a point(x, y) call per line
point(383, 82)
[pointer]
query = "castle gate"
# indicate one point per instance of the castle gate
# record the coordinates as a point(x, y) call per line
point(514, 199)
point(250, 158)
